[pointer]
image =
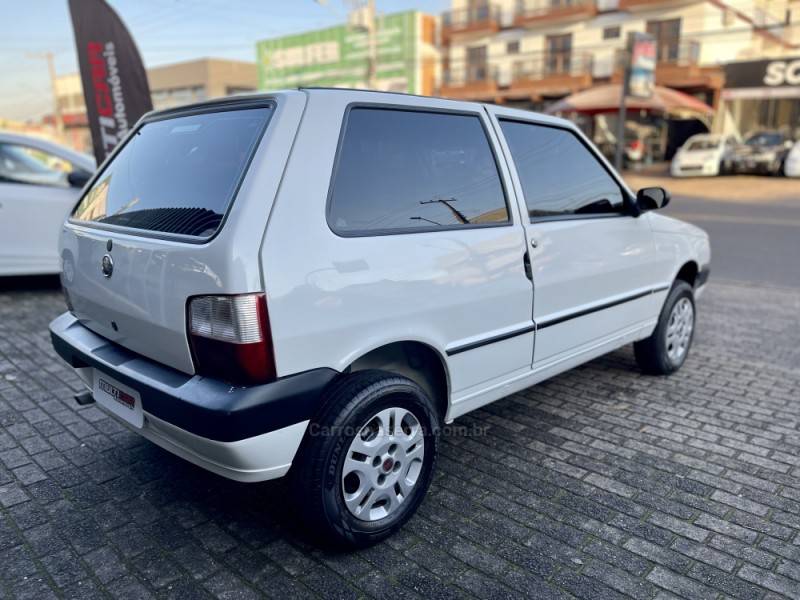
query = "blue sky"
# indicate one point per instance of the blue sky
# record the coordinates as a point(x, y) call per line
point(165, 30)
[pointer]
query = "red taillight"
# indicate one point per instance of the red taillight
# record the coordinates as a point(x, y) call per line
point(230, 338)
point(636, 145)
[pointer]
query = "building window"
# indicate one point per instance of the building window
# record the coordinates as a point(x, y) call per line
point(167, 98)
point(477, 64)
point(611, 33)
point(512, 47)
point(667, 34)
point(231, 90)
point(559, 54)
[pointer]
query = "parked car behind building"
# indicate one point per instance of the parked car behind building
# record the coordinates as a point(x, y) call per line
point(791, 166)
point(704, 154)
point(39, 184)
point(761, 153)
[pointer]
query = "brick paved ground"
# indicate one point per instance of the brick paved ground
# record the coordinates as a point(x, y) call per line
point(601, 483)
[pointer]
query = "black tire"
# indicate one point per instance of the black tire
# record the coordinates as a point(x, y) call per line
point(651, 353)
point(316, 477)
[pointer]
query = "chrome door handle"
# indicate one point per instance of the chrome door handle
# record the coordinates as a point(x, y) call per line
point(534, 244)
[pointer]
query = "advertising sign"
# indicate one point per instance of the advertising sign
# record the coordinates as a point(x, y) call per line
point(338, 56)
point(641, 74)
point(773, 78)
point(114, 80)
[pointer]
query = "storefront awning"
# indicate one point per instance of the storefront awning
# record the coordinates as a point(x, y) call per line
point(605, 99)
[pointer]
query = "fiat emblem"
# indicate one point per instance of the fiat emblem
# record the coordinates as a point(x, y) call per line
point(107, 265)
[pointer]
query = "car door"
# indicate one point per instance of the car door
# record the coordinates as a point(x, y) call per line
point(592, 262)
point(35, 197)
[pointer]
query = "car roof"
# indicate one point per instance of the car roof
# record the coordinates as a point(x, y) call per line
point(362, 95)
point(380, 95)
point(82, 160)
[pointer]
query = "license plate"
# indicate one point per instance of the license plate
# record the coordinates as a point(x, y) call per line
point(118, 398)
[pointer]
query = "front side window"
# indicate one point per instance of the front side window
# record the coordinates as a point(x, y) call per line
point(177, 175)
point(409, 170)
point(559, 175)
point(24, 164)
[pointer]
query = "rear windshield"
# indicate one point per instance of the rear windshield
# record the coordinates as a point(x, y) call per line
point(178, 175)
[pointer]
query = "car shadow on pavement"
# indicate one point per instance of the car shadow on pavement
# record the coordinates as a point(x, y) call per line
point(24, 283)
point(168, 502)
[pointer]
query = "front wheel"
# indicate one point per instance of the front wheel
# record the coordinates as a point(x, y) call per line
point(667, 348)
point(367, 459)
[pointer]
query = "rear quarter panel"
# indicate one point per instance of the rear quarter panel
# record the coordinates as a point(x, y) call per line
point(332, 299)
point(146, 297)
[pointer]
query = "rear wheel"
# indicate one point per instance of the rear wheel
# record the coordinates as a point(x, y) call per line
point(367, 459)
point(667, 348)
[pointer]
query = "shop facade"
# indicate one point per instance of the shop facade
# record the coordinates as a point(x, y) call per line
point(761, 95)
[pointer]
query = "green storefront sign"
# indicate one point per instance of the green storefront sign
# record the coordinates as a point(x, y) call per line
point(338, 56)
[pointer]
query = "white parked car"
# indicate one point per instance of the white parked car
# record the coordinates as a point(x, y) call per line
point(791, 167)
point(40, 183)
point(312, 282)
point(704, 154)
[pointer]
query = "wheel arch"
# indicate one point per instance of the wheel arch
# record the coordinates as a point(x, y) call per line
point(414, 359)
point(688, 272)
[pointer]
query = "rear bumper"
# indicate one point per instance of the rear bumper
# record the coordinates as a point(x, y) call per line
point(244, 433)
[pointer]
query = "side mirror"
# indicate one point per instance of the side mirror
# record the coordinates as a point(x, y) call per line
point(652, 198)
point(78, 178)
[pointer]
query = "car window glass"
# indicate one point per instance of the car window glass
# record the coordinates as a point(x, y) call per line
point(703, 144)
point(177, 175)
point(408, 170)
point(25, 164)
point(558, 173)
point(764, 139)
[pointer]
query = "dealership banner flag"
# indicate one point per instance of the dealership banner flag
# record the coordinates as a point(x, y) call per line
point(113, 76)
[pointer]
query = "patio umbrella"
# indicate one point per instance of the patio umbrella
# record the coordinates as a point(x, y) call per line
point(605, 99)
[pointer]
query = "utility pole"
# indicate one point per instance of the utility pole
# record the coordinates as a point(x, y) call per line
point(364, 17)
point(621, 113)
point(48, 56)
point(372, 45)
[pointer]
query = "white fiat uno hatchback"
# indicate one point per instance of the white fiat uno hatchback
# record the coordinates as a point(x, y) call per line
point(312, 282)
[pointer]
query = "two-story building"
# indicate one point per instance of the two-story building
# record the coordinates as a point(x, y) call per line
point(531, 52)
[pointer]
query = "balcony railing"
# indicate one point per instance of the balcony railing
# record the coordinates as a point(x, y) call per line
point(552, 64)
point(471, 76)
point(678, 52)
point(529, 12)
point(534, 74)
point(681, 53)
point(485, 17)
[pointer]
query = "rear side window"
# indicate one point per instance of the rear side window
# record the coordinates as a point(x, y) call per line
point(559, 175)
point(404, 170)
point(177, 175)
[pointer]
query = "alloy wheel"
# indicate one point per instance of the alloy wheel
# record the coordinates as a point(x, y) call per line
point(679, 330)
point(383, 464)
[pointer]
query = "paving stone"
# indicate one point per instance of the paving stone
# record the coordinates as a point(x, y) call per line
point(599, 483)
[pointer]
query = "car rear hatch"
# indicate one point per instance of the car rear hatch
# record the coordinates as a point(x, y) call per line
point(179, 210)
